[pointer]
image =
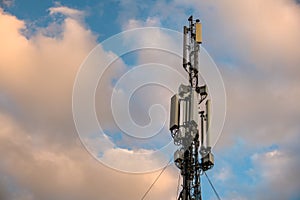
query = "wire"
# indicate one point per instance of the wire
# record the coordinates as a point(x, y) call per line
point(156, 180)
point(212, 186)
point(178, 185)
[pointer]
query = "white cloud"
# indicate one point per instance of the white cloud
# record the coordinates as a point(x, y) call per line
point(277, 168)
point(134, 23)
point(70, 172)
point(38, 138)
point(68, 12)
point(127, 159)
point(224, 174)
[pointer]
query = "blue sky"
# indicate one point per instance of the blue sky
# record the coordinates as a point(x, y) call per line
point(43, 44)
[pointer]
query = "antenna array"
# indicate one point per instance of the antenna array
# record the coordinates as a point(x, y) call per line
point(185, 115)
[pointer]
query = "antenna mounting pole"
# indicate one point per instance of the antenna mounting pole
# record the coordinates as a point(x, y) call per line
point(184, 118)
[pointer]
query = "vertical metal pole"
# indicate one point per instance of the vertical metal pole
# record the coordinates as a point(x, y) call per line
point(186, 175)
point(207, 124)
point(185, 47)
point(202, 129)
point(188, 130)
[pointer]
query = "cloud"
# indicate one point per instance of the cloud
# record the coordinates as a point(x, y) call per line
point(133, 23)
point(40, 170)
point(6, 3)
point(256, 52)
point(254, 44)
point(42, 157)
point(37, 74)
point(276, 165)
point(68, 12)
point(224, 174)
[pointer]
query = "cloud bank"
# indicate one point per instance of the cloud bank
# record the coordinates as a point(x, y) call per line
point(42, 157)
point(253, 42)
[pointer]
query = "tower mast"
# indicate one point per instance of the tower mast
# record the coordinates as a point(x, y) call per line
point(185, 116)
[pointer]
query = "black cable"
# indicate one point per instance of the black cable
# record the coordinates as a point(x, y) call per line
point(156, 180)
point(212, 186)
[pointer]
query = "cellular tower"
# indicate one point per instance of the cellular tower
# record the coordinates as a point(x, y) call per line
point(190, 118)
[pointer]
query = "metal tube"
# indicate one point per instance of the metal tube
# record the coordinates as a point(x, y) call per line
point(196, 52)
point(185, 47)
point(208, 102)
point(202, 131)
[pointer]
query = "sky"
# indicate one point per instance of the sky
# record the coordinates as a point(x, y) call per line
point(46, 45)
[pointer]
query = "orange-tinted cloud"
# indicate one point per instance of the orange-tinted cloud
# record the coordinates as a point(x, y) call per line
point(42, 157)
